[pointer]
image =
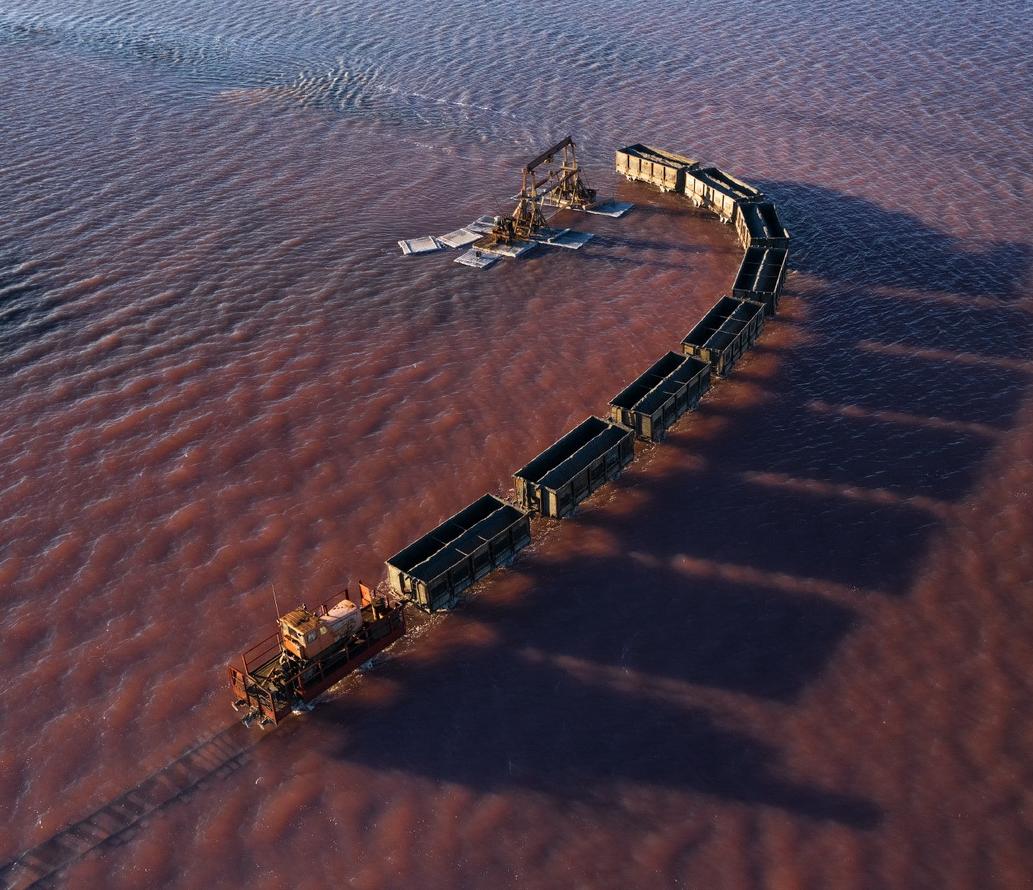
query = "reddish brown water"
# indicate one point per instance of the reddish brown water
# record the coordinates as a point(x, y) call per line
point(791, 648)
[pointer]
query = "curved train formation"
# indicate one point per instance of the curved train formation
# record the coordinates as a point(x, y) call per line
point(312, 650)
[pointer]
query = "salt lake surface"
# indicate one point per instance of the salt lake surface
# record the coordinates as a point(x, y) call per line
point(791, 648)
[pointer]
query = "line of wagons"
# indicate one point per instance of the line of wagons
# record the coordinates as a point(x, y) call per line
point(435, 570)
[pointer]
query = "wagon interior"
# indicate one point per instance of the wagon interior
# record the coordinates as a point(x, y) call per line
point(752, 263)
point(657, 155)
point(562, 449)
point(762, 221)
point(632, 394)
point(595, 448)
point(440, 549)
point(729, 185)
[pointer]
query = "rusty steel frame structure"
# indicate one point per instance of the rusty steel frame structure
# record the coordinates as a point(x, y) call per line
point(570, 189)
point(562, 187)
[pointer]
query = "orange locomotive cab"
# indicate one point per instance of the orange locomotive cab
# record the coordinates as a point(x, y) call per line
point(307, 634)
point(300, 631)
point(311, 651)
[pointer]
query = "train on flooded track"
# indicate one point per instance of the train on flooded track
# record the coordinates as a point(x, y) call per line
point(312, 650)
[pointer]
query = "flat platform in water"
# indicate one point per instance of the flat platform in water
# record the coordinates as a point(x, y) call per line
point(426, 244)
point(601, 208)
point(459, 238)
point(610, 208)
point(478, 259)
point(482, 225)
point(569, 239)
point(547, 234)
point(513, 249)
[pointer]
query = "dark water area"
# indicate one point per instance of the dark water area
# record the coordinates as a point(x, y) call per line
point(789, 648)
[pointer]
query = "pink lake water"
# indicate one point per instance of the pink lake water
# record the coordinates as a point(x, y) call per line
point(790, 648)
